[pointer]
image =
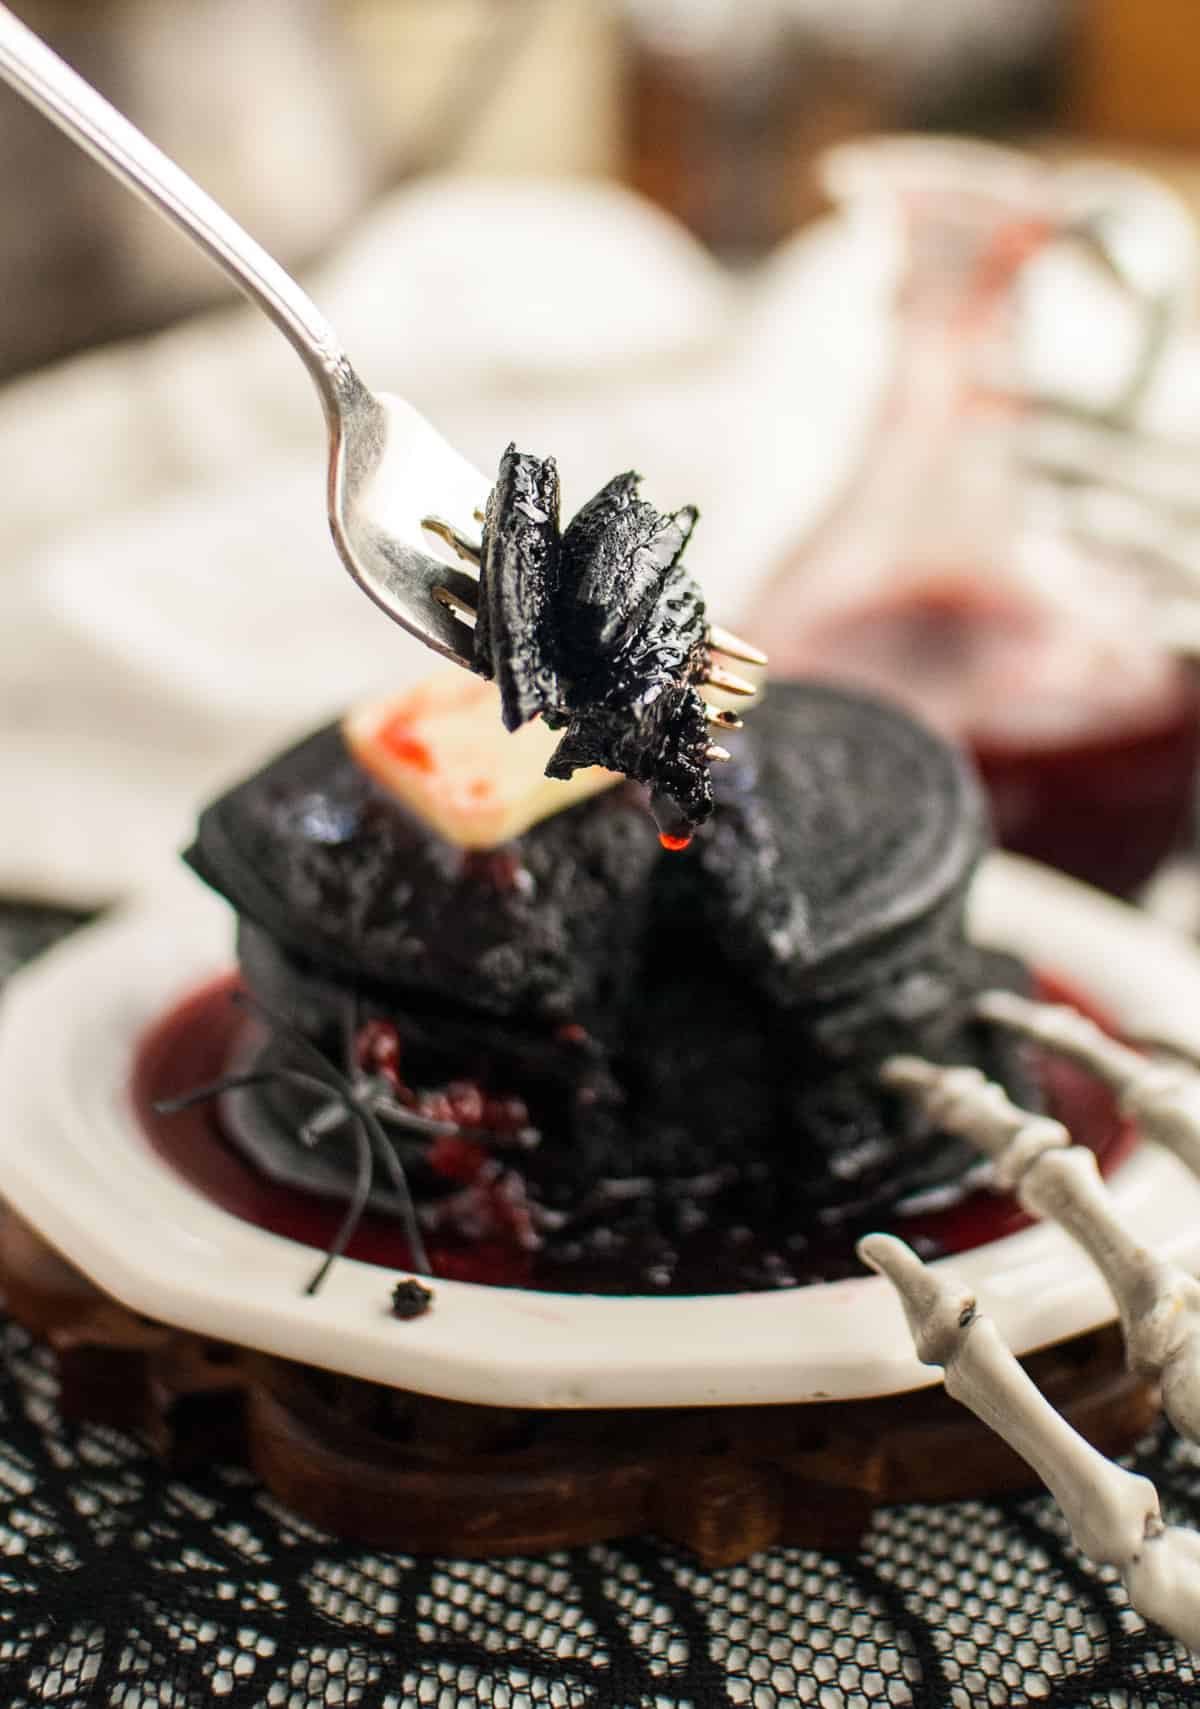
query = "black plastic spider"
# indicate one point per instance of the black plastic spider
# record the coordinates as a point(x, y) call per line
point(364, 1100)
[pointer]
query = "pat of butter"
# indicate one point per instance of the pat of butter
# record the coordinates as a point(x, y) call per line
point(441, 749)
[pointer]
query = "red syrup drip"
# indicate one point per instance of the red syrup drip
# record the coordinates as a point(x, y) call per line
point(672, 843)
point(195, 1042)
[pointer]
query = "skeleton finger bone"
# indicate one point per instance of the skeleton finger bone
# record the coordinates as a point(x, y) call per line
point(1033, 1156)
point(1114, 1515)
point(1162, 1098)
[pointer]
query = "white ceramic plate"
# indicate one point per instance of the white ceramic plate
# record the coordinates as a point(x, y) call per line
point(74, 1163)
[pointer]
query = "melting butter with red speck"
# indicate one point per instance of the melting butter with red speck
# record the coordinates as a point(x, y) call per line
point(441, 749)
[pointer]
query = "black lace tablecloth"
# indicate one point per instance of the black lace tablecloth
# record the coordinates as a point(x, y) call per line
point(127, 1587)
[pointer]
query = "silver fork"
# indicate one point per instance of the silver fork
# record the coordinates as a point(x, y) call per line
point(396, 488)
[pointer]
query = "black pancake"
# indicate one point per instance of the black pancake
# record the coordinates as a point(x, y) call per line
point(634, 637)
point(719, 1113)
point(756, 1161)
point(338, 872)
point(834, 870)
point(602, 632)
point(443, 1039)
point(518, 588)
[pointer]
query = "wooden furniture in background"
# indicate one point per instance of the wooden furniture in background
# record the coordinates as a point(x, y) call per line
point(1135, 71)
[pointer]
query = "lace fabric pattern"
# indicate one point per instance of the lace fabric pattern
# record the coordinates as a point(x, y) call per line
point(127, 1587)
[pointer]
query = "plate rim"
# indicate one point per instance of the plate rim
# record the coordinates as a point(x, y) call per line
point(162, 1248)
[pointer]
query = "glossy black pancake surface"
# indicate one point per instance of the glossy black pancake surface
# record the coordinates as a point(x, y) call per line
point(337, 871)
point(834, 870)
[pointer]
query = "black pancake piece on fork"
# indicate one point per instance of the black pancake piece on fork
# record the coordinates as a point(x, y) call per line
point(518, 584)
point(601, 632)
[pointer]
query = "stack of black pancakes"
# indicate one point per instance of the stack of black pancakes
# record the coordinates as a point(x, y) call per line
point(648, 1071)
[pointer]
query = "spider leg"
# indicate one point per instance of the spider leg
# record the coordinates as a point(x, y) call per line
point(386, 1153)
point(374, 1137)
point(212, 1089)
point(354, 1211)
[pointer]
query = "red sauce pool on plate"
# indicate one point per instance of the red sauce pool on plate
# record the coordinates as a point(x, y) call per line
point(195, 1041)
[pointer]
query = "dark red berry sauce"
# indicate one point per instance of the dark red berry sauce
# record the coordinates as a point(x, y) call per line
point(195, 1041)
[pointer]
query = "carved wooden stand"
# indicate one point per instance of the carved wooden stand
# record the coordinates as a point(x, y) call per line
point(407, 1471)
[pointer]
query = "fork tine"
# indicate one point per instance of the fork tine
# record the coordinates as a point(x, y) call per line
point(454, 601)
point(460, 593)
point(458, 543)
point(728, 682)
point(733, 647)
point(720, 719)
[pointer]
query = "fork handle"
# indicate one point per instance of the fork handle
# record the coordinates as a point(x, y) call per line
point(68, 101)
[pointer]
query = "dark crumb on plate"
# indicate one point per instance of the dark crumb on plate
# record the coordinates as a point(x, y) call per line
point(411, 1298)
point(600, 631)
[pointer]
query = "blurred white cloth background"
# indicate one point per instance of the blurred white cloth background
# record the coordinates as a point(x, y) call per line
point(171, 607)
